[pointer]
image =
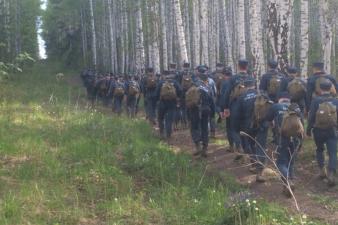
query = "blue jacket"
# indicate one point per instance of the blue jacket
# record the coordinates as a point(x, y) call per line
point(246, 105)
point(311, 85)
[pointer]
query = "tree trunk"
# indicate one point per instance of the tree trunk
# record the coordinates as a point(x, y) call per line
point(180, 32)
point(241, 29)
point(204, 30)
point(326, 31)
point(92, 21)
point(164, 35)
point(140, 52)
point(196, 59)
point(304, 46)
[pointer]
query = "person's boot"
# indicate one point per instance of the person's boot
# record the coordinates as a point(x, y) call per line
point(331, 178)
point(204, 151)
point(213, 134)
point(238, 154)
point(198, 149)
point(252, 168)
point(230, 149)
point(322, 173)
point(259, 177)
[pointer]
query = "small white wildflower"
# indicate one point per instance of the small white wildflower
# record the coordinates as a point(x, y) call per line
point(256, 209)
point(247, 200)
point(116, 199)
point(219, 204)
point(195, 200)
point(214, 191)
point(254, 202)
point(304, 216)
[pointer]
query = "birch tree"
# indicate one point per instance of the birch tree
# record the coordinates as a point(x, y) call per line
point(241, 29)
point(139, 42)
point(326, 33)
point(180, 32)
point(164, 35)
point(196, 59)
point(204, 30)
point(93, 33)
point(304, 47)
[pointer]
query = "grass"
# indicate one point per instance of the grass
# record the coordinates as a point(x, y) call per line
point(63, 163)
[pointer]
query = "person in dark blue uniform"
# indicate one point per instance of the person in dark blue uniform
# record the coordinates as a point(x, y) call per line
point(167, 105)
point(132, 91)
point(221, 104)
point(246, 103)
point(318, 71)
point(288, 146)
point(270, 81)
point(323, 126)
point(118, 90)
point(185, 74)
point(200, 115)
point(149, 85)
point(289, 83)
point(236, 88)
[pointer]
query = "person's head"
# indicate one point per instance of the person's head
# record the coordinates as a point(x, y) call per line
point(186, 66)
point(243, 65)
point(284, 97)
point(325, 86)
point(227, 71)
point(172, 66)
point(150, 71)
point(292, 71)
point(250, 83)
point(202, 72)
point(273, 64)
point(317, 67)
point(219, 67)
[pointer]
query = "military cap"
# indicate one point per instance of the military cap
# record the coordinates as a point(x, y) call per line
point(228, 70)
point(166, 72)
point(202, 68)
point(272, 63)
point(319, 65)
point(172, 65)
point(150, 70)
point(284, 95)
point(326, 85)
point(243, 62)
point(219, 65)
point(249, 82)
point(292, 69)
point(186, 65)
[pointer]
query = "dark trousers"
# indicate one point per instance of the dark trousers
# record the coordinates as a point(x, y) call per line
point(151, 108)
point(131, 105)
point(261, 139)
point(166, 112)
point(326, 137)
point(287, 151)
point(199, 126)
point(117, 104)
point(228, 132)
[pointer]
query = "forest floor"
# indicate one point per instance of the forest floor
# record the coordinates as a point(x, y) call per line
point(313, 196)
point(64, 162)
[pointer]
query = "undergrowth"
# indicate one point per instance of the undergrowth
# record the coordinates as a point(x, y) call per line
point(64, 163)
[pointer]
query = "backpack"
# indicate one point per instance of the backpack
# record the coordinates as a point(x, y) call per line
point(168, 91)
point(326, 115)
point(219, 78)
point(193, 97)
point(186, 82)
point(151, 81)
point(274, 84)
point(261, 108)
point(321, 79)
point(133, 88)
point(296, 89)
point(238, 89)
point(119, 90)
point(292, 125)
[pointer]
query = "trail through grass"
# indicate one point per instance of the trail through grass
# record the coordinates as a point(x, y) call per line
point(62, 163)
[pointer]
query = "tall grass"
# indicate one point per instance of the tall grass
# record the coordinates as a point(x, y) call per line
point(63, 163)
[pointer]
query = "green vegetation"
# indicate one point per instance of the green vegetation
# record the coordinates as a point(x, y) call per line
point(62, 163)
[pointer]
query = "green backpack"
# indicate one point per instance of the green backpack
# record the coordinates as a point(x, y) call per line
point(151, 81)
point(133, 89)
point(261, 108)
point(296, 89)
point(292, 125)
point(186, 82)
point(193, 97)
point(168, 91)
point(237, 90)
point(274, 84)
point(326, 115)
point(119, 90)
point(321, 79)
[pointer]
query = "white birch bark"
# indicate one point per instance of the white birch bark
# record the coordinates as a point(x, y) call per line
point(196, 59)
point(304, 33)
point(227, 35)
point(164, 35)
point(139, 42)
point(92, 21)
point(326, 33)
point(187, 28)
point(256, 29)
point(241, 29)
point(204, 30)
point(180, 32)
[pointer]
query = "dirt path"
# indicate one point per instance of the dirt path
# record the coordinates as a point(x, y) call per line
point(313, 196)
